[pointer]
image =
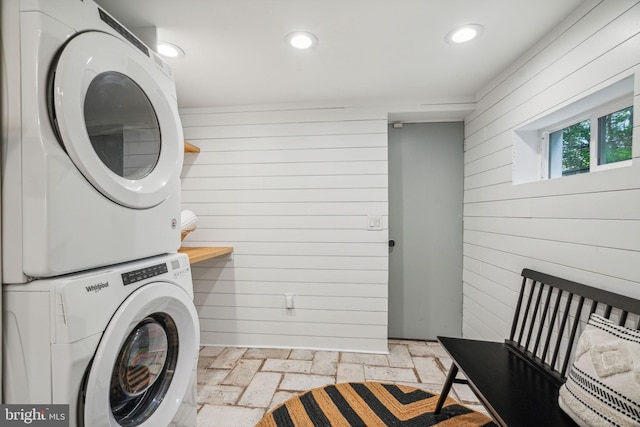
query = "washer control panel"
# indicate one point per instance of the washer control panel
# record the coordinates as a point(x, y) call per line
point(144, 273)
point(180, 270)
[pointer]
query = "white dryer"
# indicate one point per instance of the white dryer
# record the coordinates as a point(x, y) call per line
point(119, 345)
point(92, 142)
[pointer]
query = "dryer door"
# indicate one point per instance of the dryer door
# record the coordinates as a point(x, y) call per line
point(143, 366)
point(114, 115)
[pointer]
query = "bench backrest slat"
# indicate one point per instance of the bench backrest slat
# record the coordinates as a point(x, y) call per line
point(572, 337)
point(556, 308)
point(623, 318)
point(563, 323)
point(516, 315)
point(532, 323)
point(541, 326)
point(526, 313)
point(546, 326)
point(594, 307)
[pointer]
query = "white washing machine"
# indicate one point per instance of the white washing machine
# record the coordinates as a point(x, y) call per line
point(119, 345)
point(92, 142)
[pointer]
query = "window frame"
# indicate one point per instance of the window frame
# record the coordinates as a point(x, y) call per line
point(610, 108)
point(592, 115)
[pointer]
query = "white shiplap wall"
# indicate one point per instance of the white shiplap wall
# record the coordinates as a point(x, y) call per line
point(586, 227)
point(290, 190)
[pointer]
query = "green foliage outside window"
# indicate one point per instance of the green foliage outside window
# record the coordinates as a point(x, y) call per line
point(569, 148)
point(614, 136)
point(576, 156)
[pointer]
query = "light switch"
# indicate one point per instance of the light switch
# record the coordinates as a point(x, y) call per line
point(374, 222)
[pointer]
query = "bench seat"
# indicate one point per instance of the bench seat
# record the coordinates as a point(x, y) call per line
point(515, 393)
point(519, 380)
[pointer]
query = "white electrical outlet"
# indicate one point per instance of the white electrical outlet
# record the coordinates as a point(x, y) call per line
point(288, 300)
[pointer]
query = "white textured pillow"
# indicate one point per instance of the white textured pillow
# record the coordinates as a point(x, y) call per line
point(603, 385)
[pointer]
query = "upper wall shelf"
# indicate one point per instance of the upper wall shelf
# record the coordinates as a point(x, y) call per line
point(190, 148)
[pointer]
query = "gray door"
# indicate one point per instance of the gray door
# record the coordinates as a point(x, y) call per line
point(425, 221)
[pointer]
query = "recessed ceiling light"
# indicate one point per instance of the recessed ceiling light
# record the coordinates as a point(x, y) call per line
point(169, 50)
point(464, 34)
point(302, 39)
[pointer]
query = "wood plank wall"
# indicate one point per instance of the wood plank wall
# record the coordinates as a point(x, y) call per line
point(291, 191)
point(586, 227)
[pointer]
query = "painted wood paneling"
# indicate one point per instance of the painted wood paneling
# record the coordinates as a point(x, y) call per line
point(337, 167)
point(584, 228)
point(495, 176)
point(288, 235)
point(525, 66)
point(291, 156)
point(284, 183)
point(513, 208)
point(301, 262)
point(274, 314)
point(295, 275)
point(294, 208)
point(227, 117)
point(590, 32)
point(359, 290)
point(284, 130)
point(283, 339)
point(618, 179)
point(502, 260)
point(306, 248)
point(345, 222)
point(295, 142)
point(285, 195)
point(618, 234)
point(491, 161)
point(290, 190)
point(328, 304)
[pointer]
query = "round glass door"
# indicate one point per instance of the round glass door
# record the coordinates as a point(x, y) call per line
point(143, 370)
point(122, 125)
point(116, 116)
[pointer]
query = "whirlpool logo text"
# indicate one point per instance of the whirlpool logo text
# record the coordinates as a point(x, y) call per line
point(97, 287)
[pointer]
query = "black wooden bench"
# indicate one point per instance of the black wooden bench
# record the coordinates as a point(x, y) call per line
point(518, 380)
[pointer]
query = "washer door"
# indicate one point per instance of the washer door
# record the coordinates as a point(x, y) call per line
point(142, 368)
point(115, 120)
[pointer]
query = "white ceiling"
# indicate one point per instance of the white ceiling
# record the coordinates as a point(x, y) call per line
point(370, 52)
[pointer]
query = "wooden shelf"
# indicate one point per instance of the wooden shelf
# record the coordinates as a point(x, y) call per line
point(200, 253)
point(190, 148)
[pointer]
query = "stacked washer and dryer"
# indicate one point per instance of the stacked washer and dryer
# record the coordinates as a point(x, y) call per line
point(98, 307)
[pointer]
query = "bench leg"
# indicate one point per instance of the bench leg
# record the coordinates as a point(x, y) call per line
point(446, 387)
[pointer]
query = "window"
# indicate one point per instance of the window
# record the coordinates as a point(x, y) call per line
point(590, 133)
point(599, 140)
point(614, 136)
point(569, 152)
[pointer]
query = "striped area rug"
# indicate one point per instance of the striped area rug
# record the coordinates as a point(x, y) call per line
point(370, 404)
